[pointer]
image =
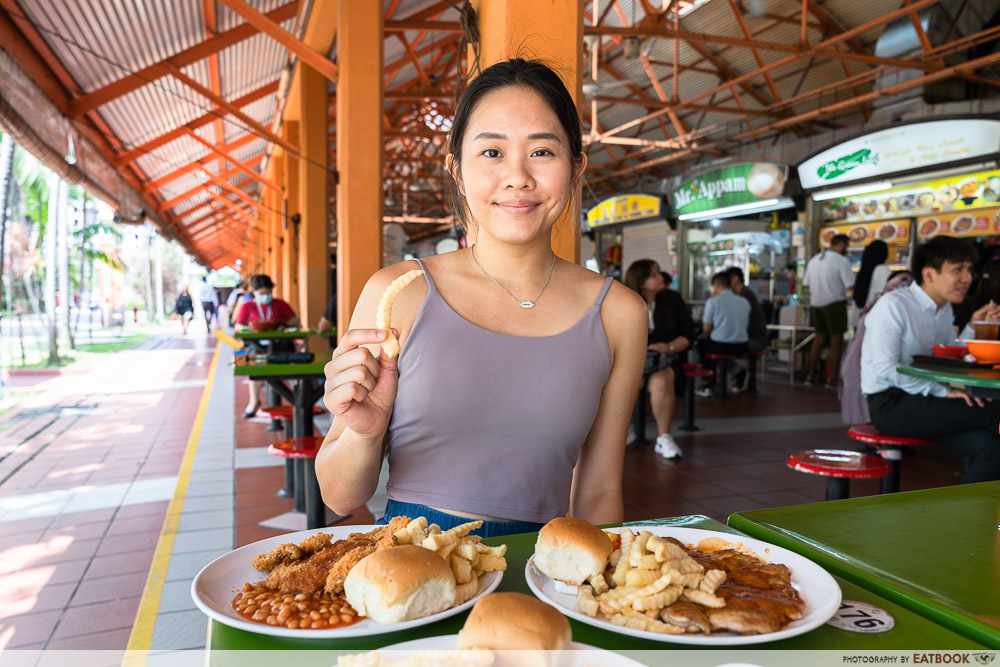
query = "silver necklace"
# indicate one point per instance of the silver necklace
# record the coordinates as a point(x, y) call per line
point(525, 303)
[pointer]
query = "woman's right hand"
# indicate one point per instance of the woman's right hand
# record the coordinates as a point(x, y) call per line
point(360, 387)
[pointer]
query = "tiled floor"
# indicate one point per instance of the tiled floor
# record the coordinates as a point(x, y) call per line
point(84, 492)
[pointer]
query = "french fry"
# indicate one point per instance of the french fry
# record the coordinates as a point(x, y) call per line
point(488, 563)
point(585, 601)
point(703, 598)
point(599, 583)
point(462, 569)
point(638, 578)
point(383, 312)
point(657, 601)
point(467, 591)
point(712, 580)
point(627, 538)
point(638, 548)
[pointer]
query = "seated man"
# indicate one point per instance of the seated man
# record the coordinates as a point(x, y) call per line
point(725, 321)
point(908, 321)
point(757, 327)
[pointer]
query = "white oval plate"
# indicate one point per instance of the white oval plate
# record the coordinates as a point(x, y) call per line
point(818, 589)
point(583, 655)
point(219, 582)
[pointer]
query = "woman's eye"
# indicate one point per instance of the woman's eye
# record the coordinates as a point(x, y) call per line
point(491, 152)
point(542, 152)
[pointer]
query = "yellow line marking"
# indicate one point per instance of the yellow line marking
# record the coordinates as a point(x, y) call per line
point(142, 632)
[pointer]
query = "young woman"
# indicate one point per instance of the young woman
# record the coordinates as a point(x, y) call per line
point(512, 394)
point(184, 308)
point(671, 332)
point(873, 274)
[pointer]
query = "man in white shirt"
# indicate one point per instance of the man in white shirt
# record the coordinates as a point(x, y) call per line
point(907, 322)
point(828, 277)
point(209, 302)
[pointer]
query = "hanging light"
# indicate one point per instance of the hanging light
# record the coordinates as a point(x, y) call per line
point(631, 47)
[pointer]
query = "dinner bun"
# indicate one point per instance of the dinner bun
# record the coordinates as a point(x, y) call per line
point(399, 584)
point(508, 621)
point(572, 550)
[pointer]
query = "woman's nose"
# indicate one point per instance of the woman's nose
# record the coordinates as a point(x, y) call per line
point(517, 175)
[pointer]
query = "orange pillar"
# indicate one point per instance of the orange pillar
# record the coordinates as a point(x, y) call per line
point(551, 31)
point(290, 244)
point(313, 234)
point(359, 151)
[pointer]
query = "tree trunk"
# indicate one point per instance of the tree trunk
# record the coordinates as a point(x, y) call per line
point(148, 271)
point(51, 238)
point(158, 269)
point(6, 176)
point(62, 256)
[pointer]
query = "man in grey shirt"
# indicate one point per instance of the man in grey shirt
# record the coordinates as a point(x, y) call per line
point(757, 327)
point(725, 320)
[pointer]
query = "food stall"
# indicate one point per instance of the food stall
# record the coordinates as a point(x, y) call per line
point(630, 227)
point(736, 215)
point(906, 184)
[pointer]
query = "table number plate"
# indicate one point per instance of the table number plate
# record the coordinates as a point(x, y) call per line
point(862, 617)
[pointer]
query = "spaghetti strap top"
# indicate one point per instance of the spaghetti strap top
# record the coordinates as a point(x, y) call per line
point(491, 423)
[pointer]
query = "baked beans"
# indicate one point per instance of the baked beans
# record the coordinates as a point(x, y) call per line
point(302, 611)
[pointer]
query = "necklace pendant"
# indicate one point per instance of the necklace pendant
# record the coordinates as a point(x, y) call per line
point(527, 304)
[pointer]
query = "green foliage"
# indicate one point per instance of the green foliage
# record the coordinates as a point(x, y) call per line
point(32, 176)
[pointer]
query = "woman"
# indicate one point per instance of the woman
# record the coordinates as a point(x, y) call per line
point(184, 308)
point(264, 313)
point(670, 333)
point(987, 291)
point(873, 274)
point(511, 397)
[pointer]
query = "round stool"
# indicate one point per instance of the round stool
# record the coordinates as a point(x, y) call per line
point(840, 466)
point(888, 447)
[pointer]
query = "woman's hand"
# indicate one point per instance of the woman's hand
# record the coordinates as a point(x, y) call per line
point(360, 387)
point(662, 348)
point(988, 313)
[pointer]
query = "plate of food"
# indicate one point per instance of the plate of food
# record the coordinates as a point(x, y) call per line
point(870, 207)
point(928, 228)
point(680, 585)
point(969, 189)
point(963, 224)
point(858, 234)
point(907, 202)
point(331, 582)
point(826, 236)
point(886, 231)
point(926, 199)
point(947, 194)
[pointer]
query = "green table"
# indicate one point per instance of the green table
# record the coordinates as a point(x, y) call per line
point(935, 552)
point(294, 334)
point(910, 632)
point(983, 382)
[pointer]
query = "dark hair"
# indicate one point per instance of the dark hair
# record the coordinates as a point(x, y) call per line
point(261, 281)
point(514, 72)
point(875, 254)
point(939, 250)
point(840, 238)
point(637, 273)
point(792, 267)
point(736, 272)
point(988, 288)
point(721, 278)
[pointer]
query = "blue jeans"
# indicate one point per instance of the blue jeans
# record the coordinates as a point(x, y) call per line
point(395, 508)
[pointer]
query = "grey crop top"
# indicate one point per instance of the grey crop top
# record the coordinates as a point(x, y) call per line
point(490, 423)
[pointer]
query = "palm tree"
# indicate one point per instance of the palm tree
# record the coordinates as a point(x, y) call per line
point(31, 177)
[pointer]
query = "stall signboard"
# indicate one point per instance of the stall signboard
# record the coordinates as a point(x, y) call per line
point(975, 223)
point(627, 208)
point(731, 185)
point(893, 233)
point(957, 193)
point(902, 148)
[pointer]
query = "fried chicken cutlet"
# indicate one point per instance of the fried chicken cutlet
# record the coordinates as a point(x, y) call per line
point(319, 564)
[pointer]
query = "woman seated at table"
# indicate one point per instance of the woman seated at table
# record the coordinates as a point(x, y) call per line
point(264, 313)
point(512, 394)
point(670, 333)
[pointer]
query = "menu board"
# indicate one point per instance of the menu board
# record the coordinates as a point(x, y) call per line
point(892, 232)
point(976, 223)
point(972, 191)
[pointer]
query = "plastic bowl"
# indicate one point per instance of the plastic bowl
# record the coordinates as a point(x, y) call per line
point(954, 351)
point(985, 351)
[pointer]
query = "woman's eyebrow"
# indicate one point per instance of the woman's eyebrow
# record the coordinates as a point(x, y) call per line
point(550, 136)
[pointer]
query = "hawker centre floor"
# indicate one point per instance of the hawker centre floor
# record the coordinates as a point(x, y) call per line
point(120, 481)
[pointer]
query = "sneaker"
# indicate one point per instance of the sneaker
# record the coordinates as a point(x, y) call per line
point(666, 447)
point(810, 381)
point(631, 437)
point(739, 380)
point(705, 392)
point(832, 383)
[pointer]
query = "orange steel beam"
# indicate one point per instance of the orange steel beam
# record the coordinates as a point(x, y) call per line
point(679, 127)
point(205, 119)
point(271, 28)
point(184, 196)
point(218, 101)
point(655, 104)
point(211, 28)
point(756, 54)
point(728, 73)
point(225, 201)
point(225, 154)
point(430, 26)
point(414, 59)
point(90, 101)
point(161, 181)
point(226, 185)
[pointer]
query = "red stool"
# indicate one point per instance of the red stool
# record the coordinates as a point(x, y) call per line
point(753, 355)
point(840, 466)
point(692, 372)
point(278, 413)
point(888, 447)
point(303, 451)
point(722, 372)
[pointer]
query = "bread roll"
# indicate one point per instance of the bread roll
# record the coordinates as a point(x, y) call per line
point(399, 584)
point(514, 621)
point(571, 550)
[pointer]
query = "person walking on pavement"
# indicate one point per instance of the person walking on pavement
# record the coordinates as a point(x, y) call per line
point(829, 279)
point(184, 309)
point(209, 302)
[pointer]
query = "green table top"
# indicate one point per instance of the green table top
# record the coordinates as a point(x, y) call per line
point(984, 377)
point(293, 334)
point(935, 552)
point(911, 630)
point(265, 370)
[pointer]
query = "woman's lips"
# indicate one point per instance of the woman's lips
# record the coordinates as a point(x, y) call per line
point(517, 206)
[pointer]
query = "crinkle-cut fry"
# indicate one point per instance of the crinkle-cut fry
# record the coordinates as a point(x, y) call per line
point(628, 537)
point(658, 601)
point(599, 583)
point(637, 578)
point(435, 542)
point(691, 566)
point(585, 602)
point(433, 529)
point(462, 569)
point(383, 312)
point(690, 580)
point(611, 601)
point(464, 529)
point(648, 562)
point(467, 591)
point(703, 598)
point(467, 550)
point(663, 550)
point(643, 622)
point(615, 557)
point(488, 563)
point(671, 564)
point(492, 551)
point(711, 581)
point(446, 550)
point(638, 548)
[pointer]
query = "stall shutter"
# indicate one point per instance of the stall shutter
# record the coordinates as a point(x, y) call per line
point(651, 240)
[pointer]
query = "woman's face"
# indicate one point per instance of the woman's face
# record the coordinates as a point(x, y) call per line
point(516, 172)
point(654, 282)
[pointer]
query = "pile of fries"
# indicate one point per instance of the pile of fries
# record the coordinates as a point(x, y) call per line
point(648, 574)
point(467, 557)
